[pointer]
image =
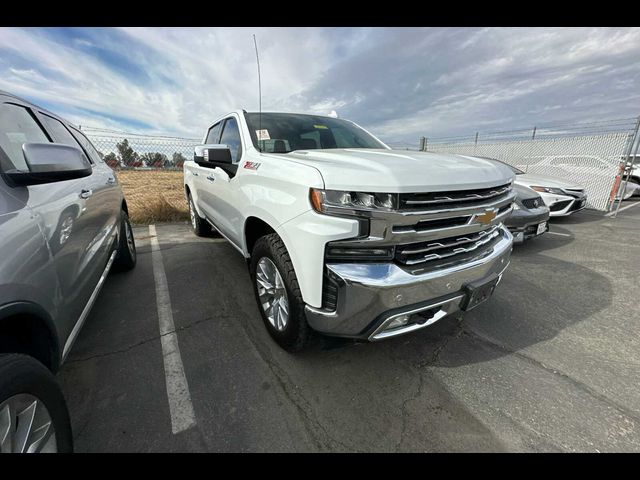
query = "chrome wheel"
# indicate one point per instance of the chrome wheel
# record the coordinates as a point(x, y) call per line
point(272, 293)
point(192, 214)
point(129, 237)
point(26, 426)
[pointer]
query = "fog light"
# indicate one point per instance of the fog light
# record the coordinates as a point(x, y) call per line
point(399, 321)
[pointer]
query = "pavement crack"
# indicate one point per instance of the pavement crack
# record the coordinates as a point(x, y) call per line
point(140, 343)
point(576, 383)
point(419, 366)
point(318, 433)
point(459, 330)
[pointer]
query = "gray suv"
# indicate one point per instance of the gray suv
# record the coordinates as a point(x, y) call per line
point(63, 225)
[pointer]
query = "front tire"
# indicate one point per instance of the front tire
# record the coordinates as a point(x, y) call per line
point(33, 412)
point(278, 295)
point(127, 256)
point(199, 225)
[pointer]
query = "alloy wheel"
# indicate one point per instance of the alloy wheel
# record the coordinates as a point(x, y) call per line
point(26, 426)
point(272, 293)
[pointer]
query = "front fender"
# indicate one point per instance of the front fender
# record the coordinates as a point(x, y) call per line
point(305, 237)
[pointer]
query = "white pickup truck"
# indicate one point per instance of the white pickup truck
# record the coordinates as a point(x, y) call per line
point(343, 235)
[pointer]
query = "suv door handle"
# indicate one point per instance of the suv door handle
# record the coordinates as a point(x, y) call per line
point(111, 180)
point(85, 193)
point(195, 174)
point(211, 177)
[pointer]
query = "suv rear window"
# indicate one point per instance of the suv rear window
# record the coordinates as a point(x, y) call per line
point(17, 126)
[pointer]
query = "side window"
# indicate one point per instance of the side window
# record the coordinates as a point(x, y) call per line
point(89, 149)
point(231, 137)
point(60, 133)
point(18, 126)
point(214, 134)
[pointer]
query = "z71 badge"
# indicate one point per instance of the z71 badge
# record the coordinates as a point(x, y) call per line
point(252, 165)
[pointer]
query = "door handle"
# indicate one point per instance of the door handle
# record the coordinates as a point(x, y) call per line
point(195, 174)
point(111, 180)
point(211, 177)
point(85, 193)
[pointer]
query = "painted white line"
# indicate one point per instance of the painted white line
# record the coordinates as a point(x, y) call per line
point(610, 214)
point(180, 406)
point(561, 234)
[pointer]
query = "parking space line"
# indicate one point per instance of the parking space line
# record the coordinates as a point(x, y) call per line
point(561, 234)
point(180, 406)
point(613, 212)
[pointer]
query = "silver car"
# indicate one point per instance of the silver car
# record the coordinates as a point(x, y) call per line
point(63, 225)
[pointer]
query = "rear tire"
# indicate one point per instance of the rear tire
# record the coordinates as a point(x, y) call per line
point(22, 376)
point(294, 334)
point(199, 225)
point(127, 256)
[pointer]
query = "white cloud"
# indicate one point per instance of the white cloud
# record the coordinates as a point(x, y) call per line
point(399, 83)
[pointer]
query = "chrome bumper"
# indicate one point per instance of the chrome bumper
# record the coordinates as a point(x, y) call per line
point(370, 295)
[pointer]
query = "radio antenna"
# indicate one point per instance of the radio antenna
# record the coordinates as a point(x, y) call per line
point(259, 96)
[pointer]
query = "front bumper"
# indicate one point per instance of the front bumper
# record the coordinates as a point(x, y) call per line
point(370, 295)
point(563, 205)
point(523, 223)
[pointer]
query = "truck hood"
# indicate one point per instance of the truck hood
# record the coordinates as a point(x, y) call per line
point(399, 171)
point(529, 179)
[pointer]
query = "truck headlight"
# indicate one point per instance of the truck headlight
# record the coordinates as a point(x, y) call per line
point(556, 191)
point(338, 201)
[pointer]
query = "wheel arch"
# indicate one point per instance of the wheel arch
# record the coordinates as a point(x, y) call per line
point(254, 228)
point(27, 328)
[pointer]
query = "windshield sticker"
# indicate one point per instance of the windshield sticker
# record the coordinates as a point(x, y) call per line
point(322, 127)
point(263, 134)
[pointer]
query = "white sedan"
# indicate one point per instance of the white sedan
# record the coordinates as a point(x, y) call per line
point(562, 197)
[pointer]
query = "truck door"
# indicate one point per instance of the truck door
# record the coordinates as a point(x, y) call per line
point(204, 178)
point(228, 217)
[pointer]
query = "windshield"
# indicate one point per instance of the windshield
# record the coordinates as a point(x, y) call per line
point(515, 170)
point(286, 132)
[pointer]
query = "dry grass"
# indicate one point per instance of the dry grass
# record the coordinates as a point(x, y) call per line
point(154, 196)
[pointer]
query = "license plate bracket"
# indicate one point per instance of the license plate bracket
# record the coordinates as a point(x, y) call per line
point(478, 292)
point(542, 227)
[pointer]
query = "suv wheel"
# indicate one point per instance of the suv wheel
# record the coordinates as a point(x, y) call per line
point(126, 256)
point(278, 295)
point(33, 413)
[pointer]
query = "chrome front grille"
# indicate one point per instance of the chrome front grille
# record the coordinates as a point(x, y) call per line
point(421, 201)
point(416, 253)
point(433, 229)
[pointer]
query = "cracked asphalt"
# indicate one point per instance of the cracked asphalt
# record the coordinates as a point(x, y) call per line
point(550, 363)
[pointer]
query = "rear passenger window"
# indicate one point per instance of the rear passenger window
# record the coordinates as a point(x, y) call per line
point(60, 132)
point(213, 136)
point(87, 145)
point(17, 126)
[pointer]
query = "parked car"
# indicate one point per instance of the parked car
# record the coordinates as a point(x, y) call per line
point(343, 235)
point(63, 224)
point(563, 198)
point(530, 217)
point(632, 175)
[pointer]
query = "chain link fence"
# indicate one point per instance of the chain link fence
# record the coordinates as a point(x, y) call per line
point(592, 155)
point(130, 151)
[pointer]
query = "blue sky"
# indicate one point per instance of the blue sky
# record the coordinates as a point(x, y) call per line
point(401, 83)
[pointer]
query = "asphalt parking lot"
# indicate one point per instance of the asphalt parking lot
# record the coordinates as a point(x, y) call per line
point(550, 363)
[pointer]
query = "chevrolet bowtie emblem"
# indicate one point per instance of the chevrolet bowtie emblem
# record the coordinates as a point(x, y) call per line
point(487, 217)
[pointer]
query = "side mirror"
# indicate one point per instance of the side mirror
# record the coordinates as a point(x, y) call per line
point(50, 162)
point(206, 155)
